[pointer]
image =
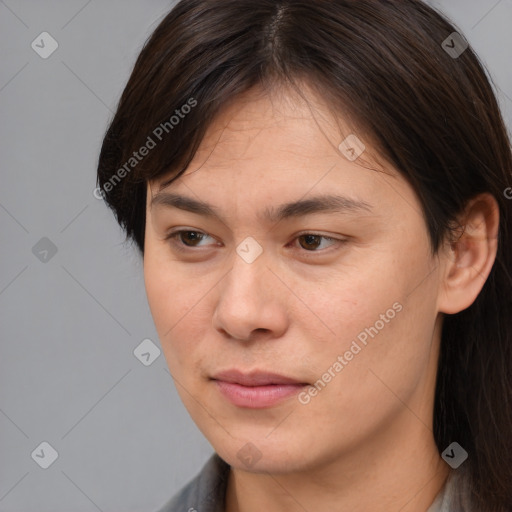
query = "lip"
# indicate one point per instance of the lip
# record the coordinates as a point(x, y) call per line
point(256, 390)
point(254, 378)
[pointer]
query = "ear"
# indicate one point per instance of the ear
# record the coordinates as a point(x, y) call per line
point(468, 259)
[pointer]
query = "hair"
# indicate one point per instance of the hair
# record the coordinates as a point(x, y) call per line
point(434, 117)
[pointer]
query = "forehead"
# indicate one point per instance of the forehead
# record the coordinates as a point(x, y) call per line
point(273, 146)
point(262, 124)
point(281, 125)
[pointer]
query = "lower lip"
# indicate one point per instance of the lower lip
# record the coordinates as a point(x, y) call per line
point(257, 397)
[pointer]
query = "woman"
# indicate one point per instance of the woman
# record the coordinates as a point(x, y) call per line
point(318, 192)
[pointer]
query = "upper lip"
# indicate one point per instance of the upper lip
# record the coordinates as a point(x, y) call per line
point(255, 378)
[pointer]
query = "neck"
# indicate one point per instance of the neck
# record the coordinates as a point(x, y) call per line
point(399, 469)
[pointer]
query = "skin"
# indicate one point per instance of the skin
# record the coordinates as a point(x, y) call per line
point(365, 441)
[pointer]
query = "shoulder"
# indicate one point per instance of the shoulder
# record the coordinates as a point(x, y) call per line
point(205, 492)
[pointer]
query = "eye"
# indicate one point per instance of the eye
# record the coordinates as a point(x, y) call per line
point(186, 236)
point(310, 241)
point(184, 240)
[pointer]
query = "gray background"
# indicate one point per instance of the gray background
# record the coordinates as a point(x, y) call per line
point(69, 325)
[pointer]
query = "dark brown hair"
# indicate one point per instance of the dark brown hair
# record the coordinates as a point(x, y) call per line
point(433, 115)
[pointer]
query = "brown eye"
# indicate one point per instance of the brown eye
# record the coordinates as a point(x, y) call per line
point(184, 239)
point(310, 241)
point(189, 236)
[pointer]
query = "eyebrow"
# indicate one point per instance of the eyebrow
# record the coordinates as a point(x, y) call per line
point(316, 204)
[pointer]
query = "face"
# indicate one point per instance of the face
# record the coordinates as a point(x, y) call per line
point(342, 301)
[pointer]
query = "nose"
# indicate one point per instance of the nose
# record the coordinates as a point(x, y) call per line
point(252, 302)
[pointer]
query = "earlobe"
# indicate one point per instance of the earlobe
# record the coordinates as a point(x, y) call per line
point(469, 258)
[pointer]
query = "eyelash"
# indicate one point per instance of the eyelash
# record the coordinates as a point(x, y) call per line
point(173, 238)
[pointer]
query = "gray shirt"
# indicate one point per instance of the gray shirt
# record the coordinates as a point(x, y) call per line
point(206, 492)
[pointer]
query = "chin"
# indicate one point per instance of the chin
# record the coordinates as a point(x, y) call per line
point(263, 456)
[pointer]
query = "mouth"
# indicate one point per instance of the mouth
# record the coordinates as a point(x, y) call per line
point(256, 390)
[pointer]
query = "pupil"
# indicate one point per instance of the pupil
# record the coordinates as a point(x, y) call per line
point(311, 239)
point(191, 234)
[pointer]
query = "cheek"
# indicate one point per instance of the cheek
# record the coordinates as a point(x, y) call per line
point(395, 353)
point(382, 311)
point(353, 299)
point(177, 302)
point(171, 304)
point(165, 284)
